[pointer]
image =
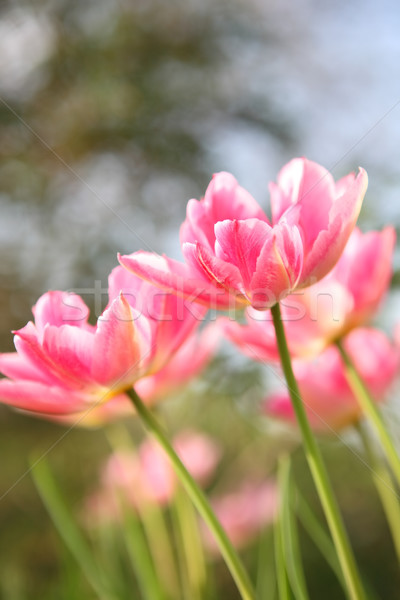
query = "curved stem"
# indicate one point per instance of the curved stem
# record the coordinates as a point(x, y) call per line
point(371, 410)
point(384, 486)
point(228, 552)
point(318, 470)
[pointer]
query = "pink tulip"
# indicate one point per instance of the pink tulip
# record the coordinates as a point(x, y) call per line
point(244, 512)
point(235, 257)
point(328, 399)
point(187, 362)
point(145, 477)
point(64, 365)
point(346, 298)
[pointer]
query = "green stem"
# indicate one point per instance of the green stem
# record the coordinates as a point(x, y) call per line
point(317, 468)
point(228, 552)
point(384, 486)
point(370, 409)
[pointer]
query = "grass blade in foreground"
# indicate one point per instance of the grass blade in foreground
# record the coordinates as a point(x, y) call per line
point(385, 488)
point(290, 543)
point(371, 411)
point(317, 467)
point(281, 575)
point(228, 552)
point(318, 535)
point(67, 528)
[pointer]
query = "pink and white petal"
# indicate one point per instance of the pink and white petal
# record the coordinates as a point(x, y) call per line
point(289, 244)
point(60, 308)
point(175, 278)
point(179, 320)
point(371, 269)
point(329, 244)
point(28, 347)
point(311, 186)
point(119, 347)
point(199, 453)
point(37, 397)
point(226, 199)
point(15, 366)
point(376, 358)
point(122, 280)
point(187, 362)
point(99, 413)
point(270, 282)
point(222, 274)
point(71, 349)
point(240, 242)
point(198, 225)
point(255, 340)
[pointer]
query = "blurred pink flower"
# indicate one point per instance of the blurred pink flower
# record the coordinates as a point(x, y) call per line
point(346, 298)
point(187, 363)
point(145, 477)
point(327, 397)
point(234, 256)
point(64, 365)
point(244, 512)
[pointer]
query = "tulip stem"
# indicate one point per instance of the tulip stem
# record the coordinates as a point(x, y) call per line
point(318, 470)
point(371, 411)
point(384, 486)
point(199, 500)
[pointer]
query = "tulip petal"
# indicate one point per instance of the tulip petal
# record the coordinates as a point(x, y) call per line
point(177, 278)
point(15, 366)
point(37, 397)
point(220, 272)
point(309, 184)
point(240, 242)
point(121, 345)
point(365, 268)
point(71, 349)
point(329, 243)
point(278, 267)
point(255, 340)
point(60, 308)
point(29, 348)
point(224, 199)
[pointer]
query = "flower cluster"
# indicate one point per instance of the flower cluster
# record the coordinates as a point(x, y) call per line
point(328, 276)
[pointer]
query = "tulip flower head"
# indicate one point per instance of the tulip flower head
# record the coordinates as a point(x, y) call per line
point(236, 257)
point(244, 512)
point(328, 398)
point(185, 364)
point(64, 365)
point(145, 477)
point(315, 317)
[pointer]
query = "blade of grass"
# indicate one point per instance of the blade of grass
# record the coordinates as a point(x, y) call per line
point(67, 528)
point(140, 557)
point(385, 487)
point(290, 542)
point(266, 581)
point(281, 575)
point(231, 557)
point(371, 411)
point(318, 535)
point(192, 547)
point(153, 521)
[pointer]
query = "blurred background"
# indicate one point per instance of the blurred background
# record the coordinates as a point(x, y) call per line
point(112, 115)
